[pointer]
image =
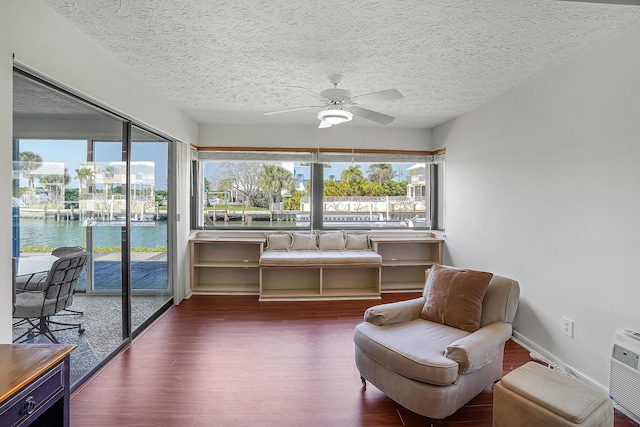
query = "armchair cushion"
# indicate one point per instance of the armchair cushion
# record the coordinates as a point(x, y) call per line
point(479, 348)
point(412, 349)
point(454, 297)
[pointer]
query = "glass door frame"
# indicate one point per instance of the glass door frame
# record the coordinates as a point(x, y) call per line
point(125, 231)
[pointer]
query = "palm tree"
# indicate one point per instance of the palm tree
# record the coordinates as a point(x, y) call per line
point(274, 180)
point(57, 184)
point(109, 174)
point(352, 174)
point(29, 161)
point(83, 174)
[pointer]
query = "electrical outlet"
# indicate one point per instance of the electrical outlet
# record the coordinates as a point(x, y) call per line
point(567, 327)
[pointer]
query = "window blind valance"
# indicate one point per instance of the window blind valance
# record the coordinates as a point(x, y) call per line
point(319, 156)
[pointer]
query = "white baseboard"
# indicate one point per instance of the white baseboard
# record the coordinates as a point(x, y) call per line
point(551, 358)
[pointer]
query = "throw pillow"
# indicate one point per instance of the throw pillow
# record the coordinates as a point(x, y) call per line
point(357, 241)
point(331, 241)
point(278, 241)
point(454, 297)
point(303, 241)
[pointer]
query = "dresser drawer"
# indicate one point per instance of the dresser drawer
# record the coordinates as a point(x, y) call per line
point(30, 400)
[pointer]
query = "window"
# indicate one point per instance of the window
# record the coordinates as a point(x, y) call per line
point(260, 189)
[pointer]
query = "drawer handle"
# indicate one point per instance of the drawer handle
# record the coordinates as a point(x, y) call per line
point(29, 405)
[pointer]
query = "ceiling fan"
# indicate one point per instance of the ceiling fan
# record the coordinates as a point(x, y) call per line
point(339, 106)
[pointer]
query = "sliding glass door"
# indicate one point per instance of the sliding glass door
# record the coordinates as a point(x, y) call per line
point(88, 179)
point(150, 285)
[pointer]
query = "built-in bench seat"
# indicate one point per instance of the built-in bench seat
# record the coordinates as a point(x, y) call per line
point(300, 264)
point(323, 264)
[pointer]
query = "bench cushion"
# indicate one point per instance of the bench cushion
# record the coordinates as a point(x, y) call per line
point(412, 349)
point(319, 258)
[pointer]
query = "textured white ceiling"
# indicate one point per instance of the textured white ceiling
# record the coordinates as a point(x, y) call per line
point(229, 61)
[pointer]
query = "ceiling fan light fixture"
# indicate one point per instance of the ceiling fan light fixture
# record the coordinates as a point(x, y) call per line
point(335, 117)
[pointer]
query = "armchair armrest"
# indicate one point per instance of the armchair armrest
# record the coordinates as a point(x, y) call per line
point(480, 347)
point(394, 312)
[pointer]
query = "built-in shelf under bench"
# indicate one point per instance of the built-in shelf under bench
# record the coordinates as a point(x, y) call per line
point(313, 274)
point(249, 265)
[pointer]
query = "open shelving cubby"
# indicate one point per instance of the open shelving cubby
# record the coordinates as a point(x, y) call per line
point(405, 259)
point(226, 265)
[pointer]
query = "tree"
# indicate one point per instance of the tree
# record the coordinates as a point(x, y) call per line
point(393, 188)
point(274, 180)
point(84, 175)
point(56, 183)
point(380, 173)
point(225, 184)
point(292, 203)
point(337, 189)
point(161, 197)
point(207, 190)
point(72, 195)
point(29, 161)
point(243, 177)
point(109, 173)
point(352, 174)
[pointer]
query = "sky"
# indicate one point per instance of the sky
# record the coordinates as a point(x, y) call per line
point(72, 153)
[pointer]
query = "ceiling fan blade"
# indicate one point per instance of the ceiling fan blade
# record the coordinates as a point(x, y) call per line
point(287, 110)
point(324, 124)
point(307, 91)
point(383, 95)
point(627, 2)
point(383, 119)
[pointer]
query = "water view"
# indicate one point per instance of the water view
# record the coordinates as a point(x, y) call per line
point(40, 235)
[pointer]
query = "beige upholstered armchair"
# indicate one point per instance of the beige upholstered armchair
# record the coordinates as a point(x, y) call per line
point(435, 353)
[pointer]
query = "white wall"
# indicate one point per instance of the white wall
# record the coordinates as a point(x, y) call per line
point(312, 137)
point(543, 186)
point(43, 41)
point(6, 108)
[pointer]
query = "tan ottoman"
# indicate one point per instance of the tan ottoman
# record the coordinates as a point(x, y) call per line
point(536, 396)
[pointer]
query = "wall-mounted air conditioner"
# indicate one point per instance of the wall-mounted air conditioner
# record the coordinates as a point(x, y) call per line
point(624, 379)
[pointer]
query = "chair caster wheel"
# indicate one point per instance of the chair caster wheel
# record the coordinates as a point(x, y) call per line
point(364, 382)
point(81, 330)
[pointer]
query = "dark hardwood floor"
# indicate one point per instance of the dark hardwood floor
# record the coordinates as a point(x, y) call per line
point(232, 361)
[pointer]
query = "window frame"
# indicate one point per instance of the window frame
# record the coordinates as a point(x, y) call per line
point(316, 159)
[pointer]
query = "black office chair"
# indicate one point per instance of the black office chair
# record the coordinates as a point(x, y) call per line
point(35, 307)
point(60, 252)
point(66, 250)
point(36, 281)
